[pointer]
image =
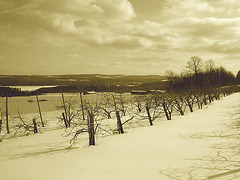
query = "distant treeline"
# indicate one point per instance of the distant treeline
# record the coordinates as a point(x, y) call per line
point(103, 88)
point(80, 83)
point(75, 80)
point(200, 74)
point(7, 91)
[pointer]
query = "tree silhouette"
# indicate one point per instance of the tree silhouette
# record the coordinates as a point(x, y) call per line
point(195, 64)
point(238, 75)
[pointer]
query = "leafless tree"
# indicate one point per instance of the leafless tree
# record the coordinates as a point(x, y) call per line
point(106, 105)
point(194, 64)
point(167, 104)
point(179, 104)
point(189, 100)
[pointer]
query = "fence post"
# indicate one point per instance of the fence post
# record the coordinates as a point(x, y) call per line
point(7, 123)
point(81, 98)
point(39, 110)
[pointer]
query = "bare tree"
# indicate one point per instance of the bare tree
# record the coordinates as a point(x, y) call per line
point(190, 101)
point(167, 104)
point(209, 65)
point(195, 65)
point(106, 105)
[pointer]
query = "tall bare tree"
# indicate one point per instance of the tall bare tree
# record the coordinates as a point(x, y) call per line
point(209, 65)
point(195, 64)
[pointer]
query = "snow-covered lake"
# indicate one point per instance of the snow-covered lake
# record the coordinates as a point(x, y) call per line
point(53, 101)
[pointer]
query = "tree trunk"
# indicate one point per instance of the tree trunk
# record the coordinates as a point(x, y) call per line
point(165, 111)
point(204, 99)
point(179, 108)
point(35, 126)
point(149, 116)
point(64, 107)
point(119, 123)
point(65, 121)
point(91, 131)
point(189, 105)
point(209, 98)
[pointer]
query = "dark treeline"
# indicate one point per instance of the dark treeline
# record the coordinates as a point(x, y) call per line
point(200, 74)
point(10, 92)
point(7, 91)
point(75, 80)
point(103, 88)
point(80, 83)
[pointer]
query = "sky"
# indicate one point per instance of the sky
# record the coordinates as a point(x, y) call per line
point(140, 37)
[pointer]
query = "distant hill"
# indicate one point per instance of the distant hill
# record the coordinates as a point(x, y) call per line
point(81, 79)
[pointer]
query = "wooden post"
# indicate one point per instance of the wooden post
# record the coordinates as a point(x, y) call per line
point(91, 131)
point(65, 121)
point(119, 123)
point(35, 126)
point(149, 116)
point(39, 110)
point(7, 123)
point(81, 98)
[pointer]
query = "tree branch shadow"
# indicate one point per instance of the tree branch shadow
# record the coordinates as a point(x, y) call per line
point(224, 164)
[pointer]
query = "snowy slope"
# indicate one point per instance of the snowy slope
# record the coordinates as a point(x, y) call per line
point(186, 147)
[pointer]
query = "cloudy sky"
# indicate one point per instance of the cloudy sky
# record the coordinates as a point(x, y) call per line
point(116, 36)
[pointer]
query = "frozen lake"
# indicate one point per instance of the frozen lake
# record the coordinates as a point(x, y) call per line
point(29, 88)
point(51, 102)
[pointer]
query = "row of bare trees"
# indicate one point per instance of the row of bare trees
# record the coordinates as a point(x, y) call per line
point(200, 74)
point(113, 113)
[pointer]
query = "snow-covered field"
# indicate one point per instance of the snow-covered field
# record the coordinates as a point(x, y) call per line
point(200, 145)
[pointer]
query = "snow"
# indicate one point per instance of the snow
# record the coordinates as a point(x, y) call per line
point(179, 148)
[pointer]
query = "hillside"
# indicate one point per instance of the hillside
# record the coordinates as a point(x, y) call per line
point(82, 79)
point(200, 145)
point(83, 82)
